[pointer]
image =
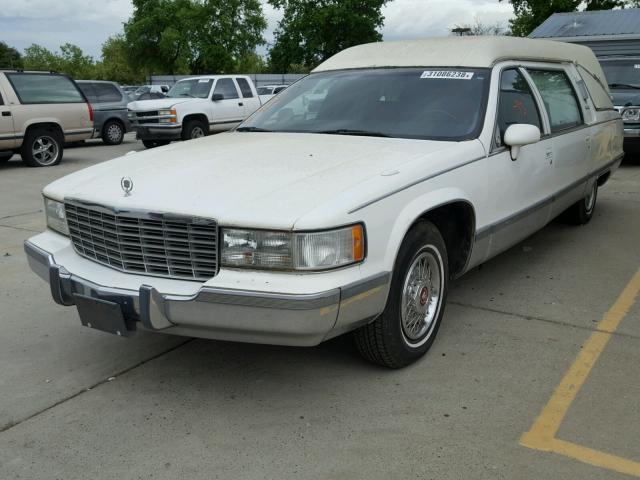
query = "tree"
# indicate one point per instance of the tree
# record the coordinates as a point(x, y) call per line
point(193, 36)
point(115, 65)
point(229, 32)
point(604, 4)
point(75, 63)
point(531, 13)
point(37, 57)
point(71, 60)
point(313, 30)
point(158, 35)
point(250, 63)
point(479, 28)
point(9, 57)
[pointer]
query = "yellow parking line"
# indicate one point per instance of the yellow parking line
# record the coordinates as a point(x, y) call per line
point(541, 436)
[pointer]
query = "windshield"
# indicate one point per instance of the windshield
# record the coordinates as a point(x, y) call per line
point(194, 88)
point(422, 103)
point(264, 90)
point(622, 73)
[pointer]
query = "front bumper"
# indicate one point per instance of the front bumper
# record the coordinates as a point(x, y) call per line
point(157, 132)
point(222, 313)
point(632, 139)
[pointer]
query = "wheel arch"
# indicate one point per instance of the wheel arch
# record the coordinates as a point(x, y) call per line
point(195, 116)
point(45, 124)
point(455, 218)
point(604, 178)
point(112, 119)
point(456, 221)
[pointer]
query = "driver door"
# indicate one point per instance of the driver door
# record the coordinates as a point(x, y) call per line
point(518, 201)
point(229, 110)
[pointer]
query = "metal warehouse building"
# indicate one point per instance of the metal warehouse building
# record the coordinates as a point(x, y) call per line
point(607, 32)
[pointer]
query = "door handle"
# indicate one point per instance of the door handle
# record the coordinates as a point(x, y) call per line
point(6, 114)
point(240, 104)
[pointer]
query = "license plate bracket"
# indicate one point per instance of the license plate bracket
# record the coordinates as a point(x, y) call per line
point(102, 315)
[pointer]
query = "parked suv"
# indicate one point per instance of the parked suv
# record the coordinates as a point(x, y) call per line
point(39, 112)
point(109, 104)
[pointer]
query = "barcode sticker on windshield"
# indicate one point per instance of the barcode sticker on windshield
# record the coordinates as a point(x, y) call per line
point(637, 65)
point(448, 74)
point(203, 80)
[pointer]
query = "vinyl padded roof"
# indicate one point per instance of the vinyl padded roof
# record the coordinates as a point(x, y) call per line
point(468, 51)
point(590, 24)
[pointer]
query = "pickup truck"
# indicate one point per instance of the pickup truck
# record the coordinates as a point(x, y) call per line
point(193, 108)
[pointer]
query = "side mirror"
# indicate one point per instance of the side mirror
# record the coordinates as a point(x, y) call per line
point(216, 97)
point(520, 134)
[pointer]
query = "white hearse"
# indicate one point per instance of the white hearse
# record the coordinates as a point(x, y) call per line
point(193, 108)
point(420, 160)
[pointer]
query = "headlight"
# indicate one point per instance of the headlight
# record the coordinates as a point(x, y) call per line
point(631, 114)
point(293, 250)
point(167, 113)
point(56, 216)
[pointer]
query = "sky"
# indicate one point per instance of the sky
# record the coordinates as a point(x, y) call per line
point(88, 23)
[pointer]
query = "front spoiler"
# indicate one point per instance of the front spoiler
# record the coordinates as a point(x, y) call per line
point(224, 314)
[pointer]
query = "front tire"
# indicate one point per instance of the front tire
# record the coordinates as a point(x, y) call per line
point(194, 129)
point(42, 147)
point(112, 133)
point(581, 212)
point(407, 327)
point(155, 143)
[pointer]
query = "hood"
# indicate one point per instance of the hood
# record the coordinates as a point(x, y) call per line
point(266, 180)
point(157, 104)
point(625, 98)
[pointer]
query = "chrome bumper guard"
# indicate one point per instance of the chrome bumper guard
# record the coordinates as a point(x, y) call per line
point(632, 132)
point(226, 314)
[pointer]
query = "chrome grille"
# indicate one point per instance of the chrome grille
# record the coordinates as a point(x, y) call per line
point(150, 244)
point(141, 116)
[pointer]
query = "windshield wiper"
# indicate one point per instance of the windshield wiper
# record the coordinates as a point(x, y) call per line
point(624, 85)
point(349, 131)
point(187, 95)
point(252, 129)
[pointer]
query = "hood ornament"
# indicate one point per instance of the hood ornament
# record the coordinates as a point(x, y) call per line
point(127, 185)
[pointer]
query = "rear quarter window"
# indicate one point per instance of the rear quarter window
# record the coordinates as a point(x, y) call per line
point(245, 88)
point(600, 96)
point(89, 92)
point(44, 88)
point(107, 92)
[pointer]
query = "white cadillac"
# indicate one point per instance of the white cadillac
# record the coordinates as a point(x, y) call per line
point(347, 203)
